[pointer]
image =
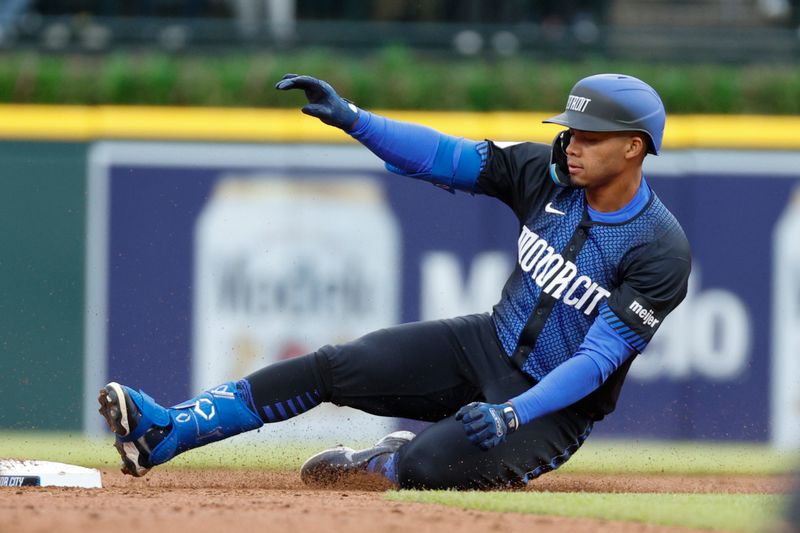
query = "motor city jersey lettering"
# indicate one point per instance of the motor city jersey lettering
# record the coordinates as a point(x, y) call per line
point(557, 276)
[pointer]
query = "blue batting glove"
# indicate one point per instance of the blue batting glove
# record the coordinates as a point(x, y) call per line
point(486, 424)
point(323, 102)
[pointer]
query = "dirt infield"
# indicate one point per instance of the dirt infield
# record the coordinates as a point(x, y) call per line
point(191, 501)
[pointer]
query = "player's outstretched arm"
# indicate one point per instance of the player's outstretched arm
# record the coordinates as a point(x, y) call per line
point(407, 149)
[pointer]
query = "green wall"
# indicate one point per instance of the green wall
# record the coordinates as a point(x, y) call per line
point(42, 216)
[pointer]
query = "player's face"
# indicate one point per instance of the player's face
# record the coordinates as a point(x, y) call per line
point(597, 158)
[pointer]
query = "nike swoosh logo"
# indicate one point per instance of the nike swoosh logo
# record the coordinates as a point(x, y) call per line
point(550, 209)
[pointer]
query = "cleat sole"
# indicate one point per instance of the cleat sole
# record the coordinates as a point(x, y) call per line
point(115, 412)
point(129, 466)
point(114, 409)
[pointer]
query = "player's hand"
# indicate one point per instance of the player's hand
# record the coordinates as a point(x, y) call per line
point(323, 102)
point(486, 424)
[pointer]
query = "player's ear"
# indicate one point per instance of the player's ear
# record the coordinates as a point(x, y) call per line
point(636, 147)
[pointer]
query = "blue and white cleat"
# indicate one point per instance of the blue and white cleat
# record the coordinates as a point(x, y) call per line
point(342, 466)
point(122, 409)
point(149, 434)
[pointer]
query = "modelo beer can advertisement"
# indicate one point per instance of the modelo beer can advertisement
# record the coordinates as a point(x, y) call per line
point(284, 266)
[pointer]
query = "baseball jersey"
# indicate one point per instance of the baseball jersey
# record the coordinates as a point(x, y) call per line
point(572, 270)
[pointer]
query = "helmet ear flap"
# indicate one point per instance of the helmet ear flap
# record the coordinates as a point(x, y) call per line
point(559, 171)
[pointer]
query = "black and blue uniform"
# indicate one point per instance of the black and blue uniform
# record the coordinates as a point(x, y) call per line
point(511, 394)
point(588, 292)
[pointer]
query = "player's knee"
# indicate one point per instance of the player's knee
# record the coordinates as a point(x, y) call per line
point(322, 370)
point(420, 467)
point(338, 367)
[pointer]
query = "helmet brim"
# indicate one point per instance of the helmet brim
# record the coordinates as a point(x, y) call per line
point(580, 121)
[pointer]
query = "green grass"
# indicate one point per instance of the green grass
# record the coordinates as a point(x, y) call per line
point(100, 453)
point(599, 456)
point(652, 457)
point(730, 512)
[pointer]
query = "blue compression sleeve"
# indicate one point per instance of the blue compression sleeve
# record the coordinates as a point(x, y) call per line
point(600, 354)
point(421, 152)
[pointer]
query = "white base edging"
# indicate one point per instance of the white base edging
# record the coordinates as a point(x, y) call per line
point(14, 473)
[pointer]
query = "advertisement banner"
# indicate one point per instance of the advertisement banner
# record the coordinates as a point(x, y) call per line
point(785, 385)
point(283, 266)
point(213, 260)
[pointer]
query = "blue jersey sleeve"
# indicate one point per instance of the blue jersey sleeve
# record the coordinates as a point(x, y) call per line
point(421, 152)
point(603, 351)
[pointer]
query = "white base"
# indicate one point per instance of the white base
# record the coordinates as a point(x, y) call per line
point(15, 473)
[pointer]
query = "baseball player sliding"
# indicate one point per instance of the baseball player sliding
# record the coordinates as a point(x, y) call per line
point(513, 394)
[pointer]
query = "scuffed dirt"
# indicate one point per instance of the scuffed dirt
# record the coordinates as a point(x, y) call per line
point(193, 501)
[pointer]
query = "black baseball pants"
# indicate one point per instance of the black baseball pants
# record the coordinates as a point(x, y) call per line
point(427, 371)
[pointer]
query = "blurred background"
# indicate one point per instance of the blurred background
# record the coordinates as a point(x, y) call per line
point(706, 56)
point(731, 30)
point(171, 221)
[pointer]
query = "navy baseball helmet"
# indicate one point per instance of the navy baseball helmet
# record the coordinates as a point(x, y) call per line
point(615, 102)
